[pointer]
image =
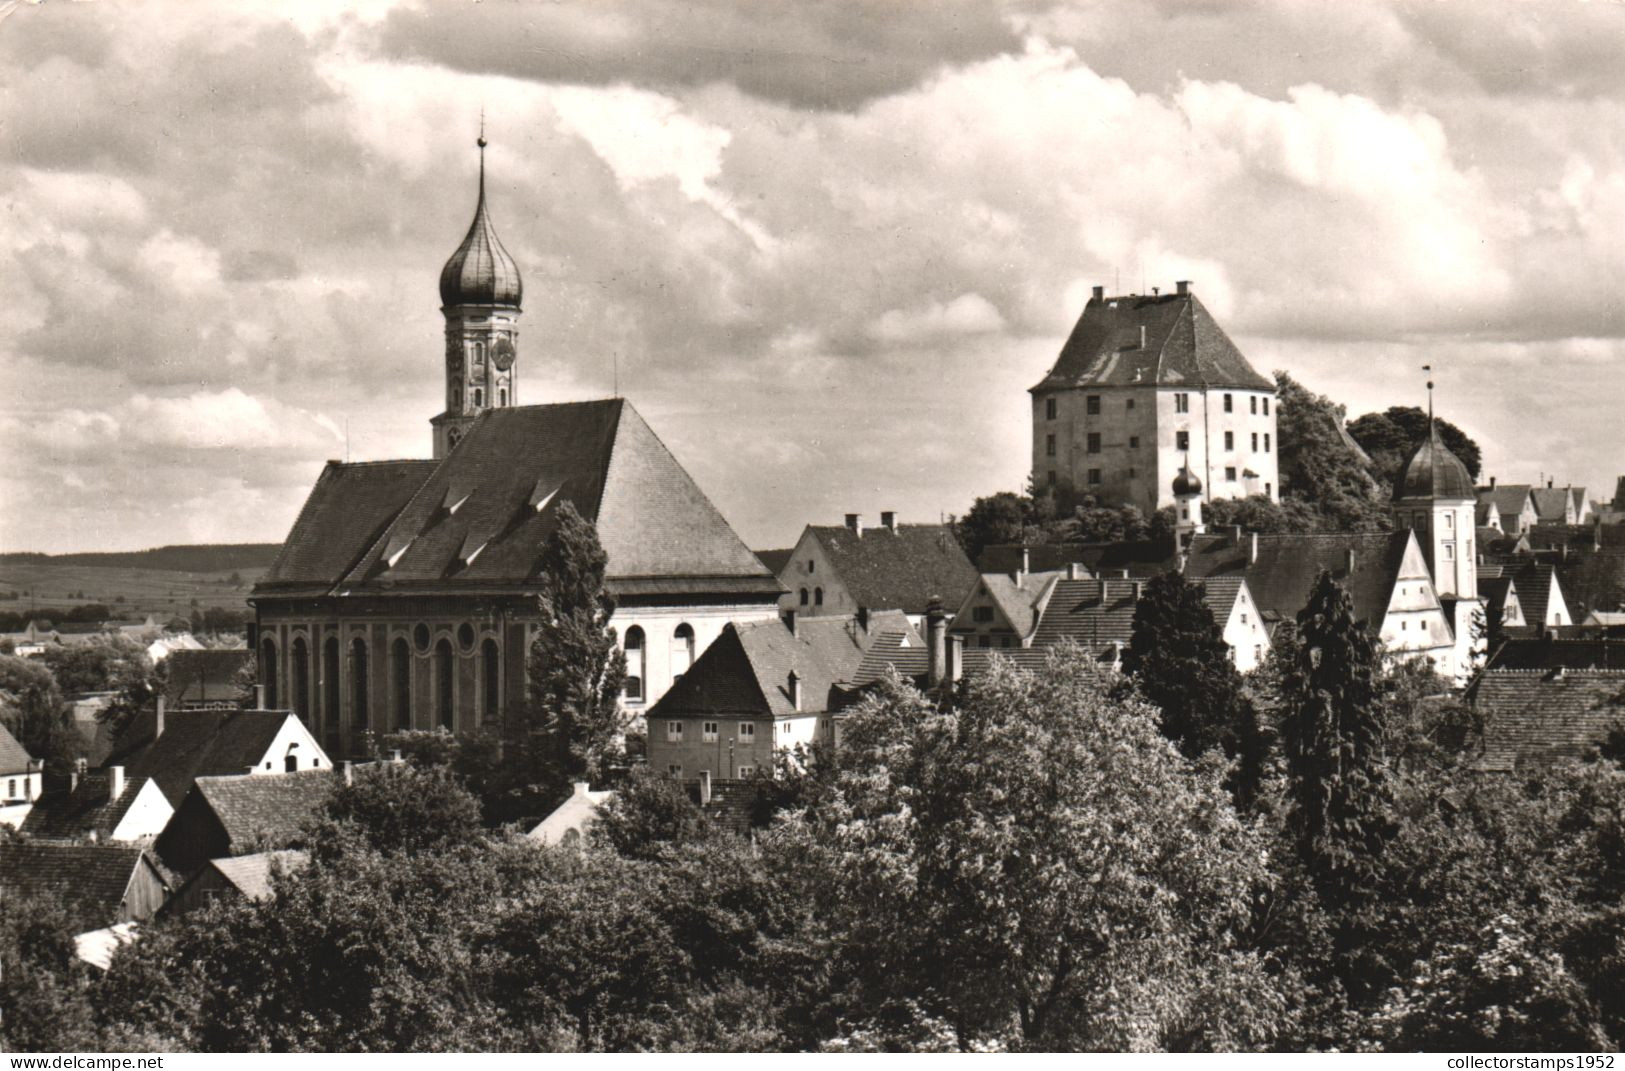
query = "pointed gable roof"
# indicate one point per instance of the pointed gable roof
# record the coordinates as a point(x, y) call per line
point(1552, 503)
point(1184, 346)
point(194, 744)
point(885, 569)
point(1537, 716)
point(93, 881)
point(506, 479)
point(1287, 566)
point(266, 808)
point(14, 758)
point(89, 808)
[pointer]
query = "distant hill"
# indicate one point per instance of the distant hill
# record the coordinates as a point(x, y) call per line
point(197, 558)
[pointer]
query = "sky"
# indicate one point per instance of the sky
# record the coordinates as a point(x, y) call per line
point(824, 247)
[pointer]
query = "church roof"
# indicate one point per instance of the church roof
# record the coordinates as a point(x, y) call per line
point(1167, 340)
point(479, 517)
point(480, 272)
point(1434, 472)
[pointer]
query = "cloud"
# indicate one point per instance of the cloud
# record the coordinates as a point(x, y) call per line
point(967, 314)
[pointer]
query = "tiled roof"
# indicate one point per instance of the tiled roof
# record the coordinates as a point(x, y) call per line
point(1509, 498)
point(1579, 494)
point(268, 808)
point(90, 879)
point(1494, 591)
point(1534, 582)
point(1483, 512)
point(898, 570)
point(1535, 716)
point(1547, 652)
point(903, 652)
point(1434, 472)
point(198, 677)
point(196, 743)
point(1287, 566)
point(774, 561)
point(1552, 503)
point(85, 810)
point(1594, 580)
point(480, 517)
point(1091, 613)
point(14, 758)
point(1039, 557)
point(1548, 535)
point(1220, 594)
point(732, 804)
point(746, 670)
point(1184, 346)
point(251, 874)
point(1020, 604)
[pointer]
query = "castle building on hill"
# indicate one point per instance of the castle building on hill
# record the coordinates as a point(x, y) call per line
point(1144, 386)
point(405, 595)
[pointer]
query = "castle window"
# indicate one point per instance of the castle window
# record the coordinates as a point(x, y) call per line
point(1230, 473)
point(682, 650)
point(1229, 440)
point(1052, 477)
point(1266, 442)
point(1253, 404)
point(1094, 442)
point(636, 664)
point(1255, 442)
point(1266, 407)
point(1182, 440)
point(818, 596)
point(1227, 403)
point(1129, 404)
point(1133, 472)
point(1449, 552)
point(804, 596)
point(1049, 408)
point(1133, 442)
point(1449, 520)
point(1267, 490)
point(1094, 476)
point(1049, 445)
point(1091, 405)
point(1182, 403)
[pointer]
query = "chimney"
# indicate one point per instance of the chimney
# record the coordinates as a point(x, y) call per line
point(395, 756)
point(35, 766)
point(158, 722)
point(1182, 287)
point(115, 782)
point(1252, 549)
point(1098, 293)
point(347, 771)
point(795, 690)
point(956, 658)
point(705, 787)
point(1548, 483)
point(1236, 533)
point(1074, 571)
point(854, 524)
point(259, 697)
point(936, 632)
point(1348, 560)
point(1026, 563)
point(1139, 589)
point(888, 521)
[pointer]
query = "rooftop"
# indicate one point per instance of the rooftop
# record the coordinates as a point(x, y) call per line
point(901, 569)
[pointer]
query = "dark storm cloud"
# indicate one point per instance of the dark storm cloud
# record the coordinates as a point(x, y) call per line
point(816, 55)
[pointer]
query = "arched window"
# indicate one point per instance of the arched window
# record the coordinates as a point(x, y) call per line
point(456, 397)
point(502, 396)
point(268, 671)
point(300, 700)
point(490, 680)
point(444, 683)
point(290, 761)
point(636, 664)
point(818, 596)
point(479, 397)
point(804, 596)
point(330, 688)
point(682, 650)
point(400, 659)
point(358, 684)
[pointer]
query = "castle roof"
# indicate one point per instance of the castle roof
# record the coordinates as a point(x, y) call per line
point(480, 272)
point(478, 518)
point(1167, 340)
point(1434, 472)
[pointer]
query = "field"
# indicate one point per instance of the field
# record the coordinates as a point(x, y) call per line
point(135, 584)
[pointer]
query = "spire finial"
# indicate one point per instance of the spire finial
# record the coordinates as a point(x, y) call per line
point(1428, 368)
point(481, 142)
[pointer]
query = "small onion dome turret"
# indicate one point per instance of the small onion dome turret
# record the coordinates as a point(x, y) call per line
point(1434, 472)
point(481, 272)
point(1186, 483)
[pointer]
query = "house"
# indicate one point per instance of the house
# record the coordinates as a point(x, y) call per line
point(174, 748)
point(103, 805)
point(1548, 652)
point(234, 877)
point(164, 646)
point(99, 884)
point(1540, 593)
point(1593, 580)
point(1037, 611)
point(1535, 717)
point(87, 710)
point(239, 815)
point(1513, 503)
point(1144, 385)
point(770, 685)
point(97, 947)
point(405, 594)
point(1556, 505)
point(569, 821)
point(209, 679)
point(840, 570)
point(22, 778)
point(1502, 609)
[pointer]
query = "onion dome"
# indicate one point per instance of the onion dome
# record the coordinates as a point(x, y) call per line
point(481, 272)
point(1434, 472)
point(1187, 482)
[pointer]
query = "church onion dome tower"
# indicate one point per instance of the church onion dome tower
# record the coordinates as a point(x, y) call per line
point(480, 293)
point(1433, 472)
point(1187, 482)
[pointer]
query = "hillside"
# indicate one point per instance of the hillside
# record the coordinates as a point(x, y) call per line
point(196, 558)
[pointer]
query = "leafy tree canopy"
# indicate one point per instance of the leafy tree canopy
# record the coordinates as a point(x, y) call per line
point(1390, 437)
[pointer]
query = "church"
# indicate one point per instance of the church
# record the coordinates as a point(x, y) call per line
point(405, 595)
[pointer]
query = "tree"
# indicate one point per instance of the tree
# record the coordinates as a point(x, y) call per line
point(1390, 437)
point(992, 520)
point(650, 813)
point(402, 808)
point(571, 723)
point(1180, 663)
point(1320, 472)
point(1038, 868)
point(42, 979)
point(1333, 734)
point(110, 665)
point(33, 710)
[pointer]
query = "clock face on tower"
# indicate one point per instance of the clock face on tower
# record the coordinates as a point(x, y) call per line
point(502, 353)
